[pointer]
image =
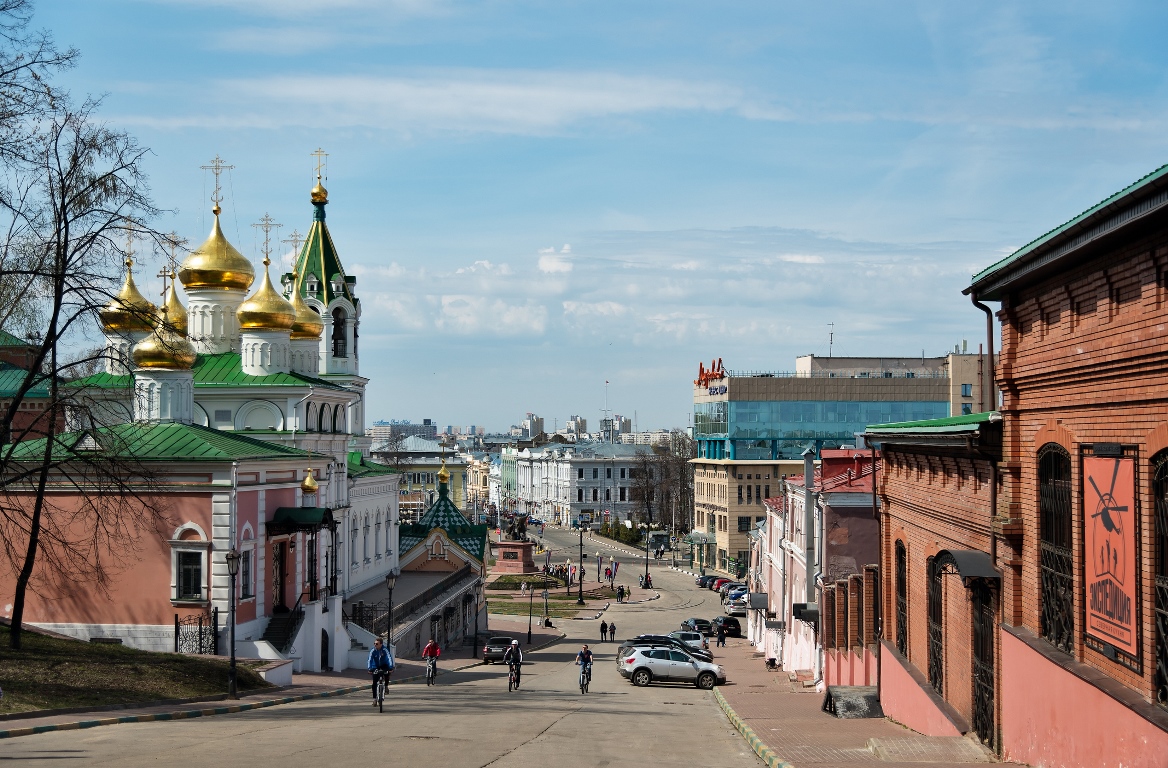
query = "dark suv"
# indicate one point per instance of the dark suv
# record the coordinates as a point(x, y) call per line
point(663, 641)
point(733, 628)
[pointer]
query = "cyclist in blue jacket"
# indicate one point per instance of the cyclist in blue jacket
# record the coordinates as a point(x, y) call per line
point(380, 664)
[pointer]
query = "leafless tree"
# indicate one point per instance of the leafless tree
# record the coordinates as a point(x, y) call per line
point(84, 189)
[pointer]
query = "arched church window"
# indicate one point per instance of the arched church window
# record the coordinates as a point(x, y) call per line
point(323, 421)
point(310, 415)
point(339, 418)
point(340, 339)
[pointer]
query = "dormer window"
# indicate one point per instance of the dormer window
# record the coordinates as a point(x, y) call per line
point(337, 283)
point(312, 285)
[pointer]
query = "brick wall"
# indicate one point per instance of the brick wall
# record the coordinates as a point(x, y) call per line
point(1084, 361)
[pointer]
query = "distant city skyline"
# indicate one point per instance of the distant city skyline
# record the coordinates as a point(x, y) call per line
point(535, 199)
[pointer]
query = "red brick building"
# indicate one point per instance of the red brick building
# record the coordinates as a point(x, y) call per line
point(1068, 548)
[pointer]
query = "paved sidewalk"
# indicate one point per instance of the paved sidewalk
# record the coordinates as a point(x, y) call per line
point(792, 723)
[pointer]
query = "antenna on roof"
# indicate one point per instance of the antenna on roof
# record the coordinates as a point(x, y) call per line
point(830, 337)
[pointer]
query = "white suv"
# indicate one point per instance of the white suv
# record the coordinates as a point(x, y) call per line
point(692, 639)
point(644, 665)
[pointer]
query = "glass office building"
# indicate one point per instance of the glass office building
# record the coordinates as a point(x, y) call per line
point(772, 429)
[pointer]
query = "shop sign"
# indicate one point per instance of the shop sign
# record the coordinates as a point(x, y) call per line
point(719, 390)
point(1109, 532)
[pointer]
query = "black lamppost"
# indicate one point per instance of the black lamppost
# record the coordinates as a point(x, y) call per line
point(599, 567)
point(233, 559)
point(390, 583)
point(646, 525)
point(530, 603)
point(580, 599)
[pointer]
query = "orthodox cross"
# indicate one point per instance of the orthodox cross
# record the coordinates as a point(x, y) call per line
point(295, 239)
point(267, 224)
point(320, 155)
point(216, 167)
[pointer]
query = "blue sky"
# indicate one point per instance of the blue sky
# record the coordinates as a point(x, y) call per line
point(537, 197)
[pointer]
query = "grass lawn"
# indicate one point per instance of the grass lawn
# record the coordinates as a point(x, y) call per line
point(48, 673)
point(508, 607)
point(513, 581)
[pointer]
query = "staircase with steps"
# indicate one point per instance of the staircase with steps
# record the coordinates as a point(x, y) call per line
point(282, 628)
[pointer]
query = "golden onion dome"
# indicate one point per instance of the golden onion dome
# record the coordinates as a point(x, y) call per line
point(129, 310)
point(216, 264)
point(165, 348)
point(319, 193)
point(308, 324)
point(444, 473)
point(309, 485)
point(266, 309)
point(176, 313)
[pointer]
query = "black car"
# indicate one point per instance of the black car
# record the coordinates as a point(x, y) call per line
point(704, 581)
point(495, 648)
point(697, 625)
point(731, 625)
point(663, 641)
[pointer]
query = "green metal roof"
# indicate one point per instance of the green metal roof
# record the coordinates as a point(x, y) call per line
point(225, 369)
point(318, 257)
point(359, 466)
point(969, 422)
point(160, 442)
point(443, 514)
point(8, 340)
point(1155, 180)
point(12, 379)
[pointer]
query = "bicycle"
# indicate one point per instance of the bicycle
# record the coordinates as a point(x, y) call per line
point(585, 677)
point(513, 677)
point(431, 670)
point(382, 680)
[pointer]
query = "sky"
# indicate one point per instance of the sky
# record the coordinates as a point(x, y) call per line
point(538, 198)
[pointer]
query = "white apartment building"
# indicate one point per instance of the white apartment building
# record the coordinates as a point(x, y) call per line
point(558, 483)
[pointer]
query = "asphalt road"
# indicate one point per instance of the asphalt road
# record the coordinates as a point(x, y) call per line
point(468, 719)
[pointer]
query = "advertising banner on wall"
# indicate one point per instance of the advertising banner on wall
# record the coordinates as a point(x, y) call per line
point(1109, 532)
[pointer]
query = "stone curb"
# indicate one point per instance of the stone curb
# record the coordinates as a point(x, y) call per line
point(765, 753)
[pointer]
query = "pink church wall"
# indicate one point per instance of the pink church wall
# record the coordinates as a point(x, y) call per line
point(905, 700)
point(1052, 718)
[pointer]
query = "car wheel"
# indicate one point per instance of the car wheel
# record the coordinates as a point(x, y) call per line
point(642, 677)
point(706, 680)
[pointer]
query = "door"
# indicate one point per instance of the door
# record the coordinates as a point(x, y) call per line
point(279, 556)
point(984, 629)
point(681, 667)
point(659, 663)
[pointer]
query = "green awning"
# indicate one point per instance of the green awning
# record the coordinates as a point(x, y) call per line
point(289, 519)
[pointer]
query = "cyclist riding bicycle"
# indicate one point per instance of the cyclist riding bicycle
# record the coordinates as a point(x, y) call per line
point(514, 659)
point(584, 659)
point(430, 655)
point(380, 665)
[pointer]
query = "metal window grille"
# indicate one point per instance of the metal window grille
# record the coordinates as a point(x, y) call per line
point(846, 630)
point(1160, 488)
point(1054, 547)
point(984, 628)
point(901, 599)
point(190, 576)
point(936, 628)
point(245, 573)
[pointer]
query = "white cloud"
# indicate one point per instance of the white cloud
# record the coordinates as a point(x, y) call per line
point(801, 258)
point(480, 315)
point(484, 267)
point(552, 264)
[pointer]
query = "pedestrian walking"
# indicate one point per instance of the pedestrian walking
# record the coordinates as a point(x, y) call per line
point(612, 632)
point(603, 631)
point(721, 636)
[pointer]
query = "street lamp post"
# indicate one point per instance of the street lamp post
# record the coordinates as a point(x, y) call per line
point(580, 599)
point(390, 583)
point(530, 602)
point(599, 567)
point(646, 553)
point(232, 558)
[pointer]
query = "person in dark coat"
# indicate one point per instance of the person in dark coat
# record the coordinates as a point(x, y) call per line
point(603, 631)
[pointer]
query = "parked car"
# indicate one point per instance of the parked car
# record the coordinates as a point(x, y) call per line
point(644, 665)
point(736, 594)
point(495, 648)
point(735, 609)
point(695, 640)
point(718, 582)
point(697, 625)
point(704, 581)
point(733, 628)
point(663, 641)
point(724, 588)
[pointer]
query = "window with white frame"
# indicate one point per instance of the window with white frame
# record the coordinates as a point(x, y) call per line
point(245, 585)
point(377, 537)
point(189, 576)
point(353, 542)
point(188, 564)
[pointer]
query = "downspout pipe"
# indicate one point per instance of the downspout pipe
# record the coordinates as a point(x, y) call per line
point(809, 521)
point(878, 619)
point(988, 397)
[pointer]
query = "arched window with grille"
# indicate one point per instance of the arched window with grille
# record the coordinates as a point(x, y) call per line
point(936, 601)
point(323, 421)
point(901, 598)
point(310, 417)
point(339, 418)
point(1055, 560)
point(340, 333)
point(1160, 492)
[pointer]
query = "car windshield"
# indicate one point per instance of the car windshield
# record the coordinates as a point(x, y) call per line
point(499, 641)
